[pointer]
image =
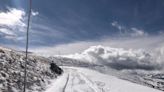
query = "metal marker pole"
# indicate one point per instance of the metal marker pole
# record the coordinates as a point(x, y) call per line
point(27, 42)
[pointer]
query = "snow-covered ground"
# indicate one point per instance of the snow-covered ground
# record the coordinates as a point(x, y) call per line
point(12, 71)
point(95, 76)
point(138, 66)
point(86, 80)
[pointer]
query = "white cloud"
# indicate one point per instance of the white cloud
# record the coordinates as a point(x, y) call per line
point(125, 31)
point(137, 32)
point(148, 43)
point(10, 37)
point(6, 32)
point(118, 58)
point(146, 52)
point(34, 13)
point(12, 17)
point(11, 23)
point(118, 26)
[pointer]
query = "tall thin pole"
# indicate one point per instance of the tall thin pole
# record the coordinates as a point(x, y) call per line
point(27, 42)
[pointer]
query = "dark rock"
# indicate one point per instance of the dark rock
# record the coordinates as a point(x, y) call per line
point(54, 68)
point(1, 51)
point(3, 74)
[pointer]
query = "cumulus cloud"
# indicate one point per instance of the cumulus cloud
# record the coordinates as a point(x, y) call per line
point(118, 58)
point(12, 17)
point(138, 53)
point(11, 23)
point(148, 43)
point(144, 52)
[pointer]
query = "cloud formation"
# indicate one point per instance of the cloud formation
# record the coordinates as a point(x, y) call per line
point(138, 32)
point(148, 43)
point(12, 17)
point(11, 23)
point(119, 58)
point(138, 53)
point(132, 32)
point(34, 13)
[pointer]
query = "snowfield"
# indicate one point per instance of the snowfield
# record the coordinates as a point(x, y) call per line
point(86, 80)
point(137, 66)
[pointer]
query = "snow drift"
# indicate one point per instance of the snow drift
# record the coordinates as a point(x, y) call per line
point(120, 58)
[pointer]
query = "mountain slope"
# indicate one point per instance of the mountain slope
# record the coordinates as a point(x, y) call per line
point(12, 71)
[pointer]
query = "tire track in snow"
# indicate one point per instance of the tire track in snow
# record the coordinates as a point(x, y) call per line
point(90, 83)
point(59, 84)
point(65, 86)
point(80, 79)
point(74, 81)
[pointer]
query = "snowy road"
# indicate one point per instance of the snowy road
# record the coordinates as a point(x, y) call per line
point(86, 80)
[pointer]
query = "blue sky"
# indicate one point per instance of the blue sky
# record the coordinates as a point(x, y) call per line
point(58, 22)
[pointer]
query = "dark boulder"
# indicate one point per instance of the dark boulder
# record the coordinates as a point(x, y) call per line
point(55, 69)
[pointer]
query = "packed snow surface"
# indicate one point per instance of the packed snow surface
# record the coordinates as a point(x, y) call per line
point(86, 80)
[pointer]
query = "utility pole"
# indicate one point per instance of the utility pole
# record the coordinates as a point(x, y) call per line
point(27, 42)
